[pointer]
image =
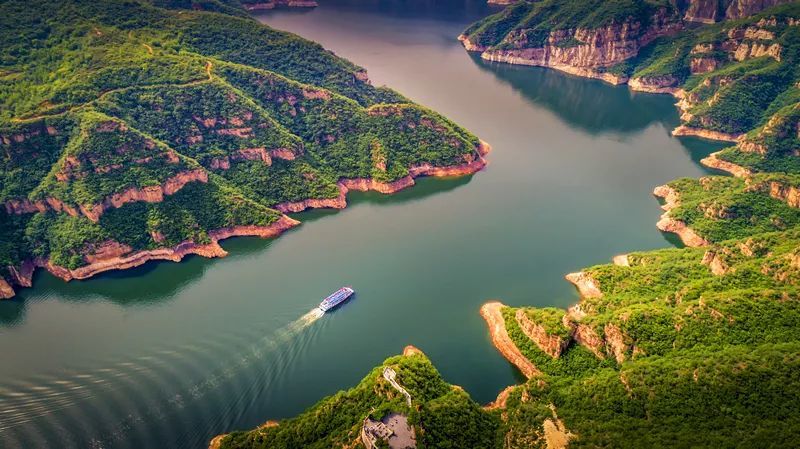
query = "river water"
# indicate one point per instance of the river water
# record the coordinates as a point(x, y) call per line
point(168, 355)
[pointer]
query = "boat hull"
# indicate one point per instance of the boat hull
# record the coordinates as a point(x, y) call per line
point(338, 297)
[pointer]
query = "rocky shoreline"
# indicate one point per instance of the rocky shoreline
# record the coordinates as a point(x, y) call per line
point(590, 62)
point(712, 161)
point(116, 256)
point(586, 285)
point(683, 130)
point(668, 224)
point(366, 184)
point(492, 313)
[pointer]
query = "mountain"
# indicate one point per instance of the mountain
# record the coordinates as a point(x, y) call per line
point(134, 130)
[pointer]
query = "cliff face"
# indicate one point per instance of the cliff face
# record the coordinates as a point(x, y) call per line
point(712, 70)
point(710, 11)
point(668, 224)
point(580, 51)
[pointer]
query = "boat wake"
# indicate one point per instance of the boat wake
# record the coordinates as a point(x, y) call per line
point(304, 321)
point(25, 405)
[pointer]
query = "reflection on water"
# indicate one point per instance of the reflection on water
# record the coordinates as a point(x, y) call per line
point(591, 105)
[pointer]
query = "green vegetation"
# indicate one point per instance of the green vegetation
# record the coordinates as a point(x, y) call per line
point(443, 416)
point(529, 24)
point(151, 123)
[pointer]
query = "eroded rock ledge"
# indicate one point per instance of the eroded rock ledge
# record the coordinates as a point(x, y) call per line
point(684, 130)
point(365, 184)
point(272, 4)
point(116, 256)
point(713, 161)
point(113, 255)
point(149, 194)
point(668, 224)
point(492, 312)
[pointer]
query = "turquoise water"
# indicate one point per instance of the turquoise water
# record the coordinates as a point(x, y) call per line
point(169, 355)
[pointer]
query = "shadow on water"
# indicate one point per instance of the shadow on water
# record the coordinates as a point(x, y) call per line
point(12, 312)
point(698, 149)
point(126, 287)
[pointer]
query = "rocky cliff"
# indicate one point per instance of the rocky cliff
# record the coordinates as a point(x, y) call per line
point(580, 51)
point(711, 70)
point(711, 11)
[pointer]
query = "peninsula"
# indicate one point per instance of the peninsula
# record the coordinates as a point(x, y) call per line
point(210, 126)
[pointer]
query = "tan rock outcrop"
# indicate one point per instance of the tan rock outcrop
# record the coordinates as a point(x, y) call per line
point(786, 193)
point(738, 9)
point(748, 50)
point(6, 291)
point(551, 345)
point(492, 313)
point(111, 255)
point(149, 194)
point(587, 337)
point(476, 163)
point(668, 224)
point(664, 84)
point(715, 263)
point(587, 286)
point(410, 350)
point(684, 130)
point(500, 401)
point(713, 161)
point(589, 51)
point(272, 4)
point(711, 11)
point(469, 45)
point(621, 260)
point(703, 65)
point(22, 276)
point(615, 342)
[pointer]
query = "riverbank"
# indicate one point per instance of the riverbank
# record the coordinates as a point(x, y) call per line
point(112, 255)
point(492, 312)
point(366, 184)
point(668, 224)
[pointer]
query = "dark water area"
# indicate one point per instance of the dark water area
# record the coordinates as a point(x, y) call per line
point(169, 355)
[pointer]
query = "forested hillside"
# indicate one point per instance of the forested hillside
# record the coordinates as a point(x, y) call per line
point(135, 130)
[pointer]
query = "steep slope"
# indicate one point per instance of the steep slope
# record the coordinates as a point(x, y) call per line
point(133, 131)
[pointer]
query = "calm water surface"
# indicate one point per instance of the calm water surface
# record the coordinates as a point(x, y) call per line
point(169, 355)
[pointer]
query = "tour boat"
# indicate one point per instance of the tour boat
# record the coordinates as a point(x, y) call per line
point(338, 297)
